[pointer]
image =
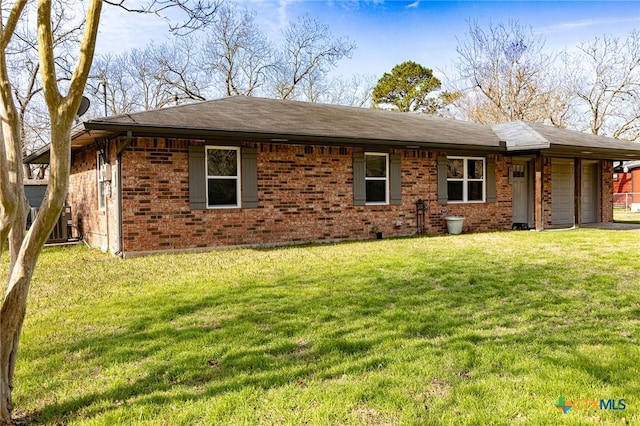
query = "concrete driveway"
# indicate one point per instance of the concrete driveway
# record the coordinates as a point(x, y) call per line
point(615, 226)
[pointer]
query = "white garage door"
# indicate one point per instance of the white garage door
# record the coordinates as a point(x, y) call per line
point(562, 192)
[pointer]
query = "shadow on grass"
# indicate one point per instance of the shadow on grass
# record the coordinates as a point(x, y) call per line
point(271, 335)
point(264, 357)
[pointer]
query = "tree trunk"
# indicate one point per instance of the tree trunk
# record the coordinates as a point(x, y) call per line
point(14, 305)
point(25, 250)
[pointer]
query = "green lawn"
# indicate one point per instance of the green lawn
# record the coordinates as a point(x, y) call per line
point(625, 216)
point(462, 330)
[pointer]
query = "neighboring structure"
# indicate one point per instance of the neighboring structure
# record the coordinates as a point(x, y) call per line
point(34, 191)
point(626, 185)
point(250, 171)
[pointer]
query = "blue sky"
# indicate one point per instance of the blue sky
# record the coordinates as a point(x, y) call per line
point(390, 32)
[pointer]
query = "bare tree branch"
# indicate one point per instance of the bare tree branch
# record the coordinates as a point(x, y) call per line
point(508, 75)
point(608, 85)
point(195, 14)
point(309, 48)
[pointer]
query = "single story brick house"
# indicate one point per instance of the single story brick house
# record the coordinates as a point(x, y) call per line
point(243, 171)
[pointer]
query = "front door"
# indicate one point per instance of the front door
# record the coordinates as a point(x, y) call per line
point(562, 202)
point(520, 188)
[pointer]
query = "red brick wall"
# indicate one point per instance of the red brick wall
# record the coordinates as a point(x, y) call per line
point(623, 184)
point(303, 197)
point(628, 183)
point(546, 191)
point(83, 198)
point(478, 216)
point(606, 198)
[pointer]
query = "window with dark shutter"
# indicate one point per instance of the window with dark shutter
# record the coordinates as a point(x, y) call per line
point(377, 179)
point(463, 179)
point(222, 177)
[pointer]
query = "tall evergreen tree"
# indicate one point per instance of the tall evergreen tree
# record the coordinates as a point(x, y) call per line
point(409, 87)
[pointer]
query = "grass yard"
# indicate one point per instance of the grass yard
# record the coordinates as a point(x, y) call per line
point(462, 330)
point(626, 216)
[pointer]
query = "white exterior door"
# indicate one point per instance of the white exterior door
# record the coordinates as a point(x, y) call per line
point(520, 188)
point(589, 196)
point(562, 192)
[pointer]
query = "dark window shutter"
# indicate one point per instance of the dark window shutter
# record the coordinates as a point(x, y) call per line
point(197, 179)
point(359, 194)
point(249, 177)
point(491, 180)
point(443, 192)
point(395, 179)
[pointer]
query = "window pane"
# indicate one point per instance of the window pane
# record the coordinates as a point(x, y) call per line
point(475, 169)
point(454, 191)
point(474, 191)
point(222, 162)
point(455, 169)
point(376, 191)
point(376, 165)
point(223, 192)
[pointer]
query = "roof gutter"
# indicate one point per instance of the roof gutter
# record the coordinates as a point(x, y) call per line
point(229, 135)
point(613, 154)
point(40, 156)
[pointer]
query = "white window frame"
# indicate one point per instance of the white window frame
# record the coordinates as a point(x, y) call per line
point(237, 177)
point(101, 183)
point(465, 180)
point(376, 178)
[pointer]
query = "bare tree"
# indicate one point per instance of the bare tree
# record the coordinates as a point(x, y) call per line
point(239, 58)
point(341, 90)
point(132, 81)
point(507, 75)
point(149, 78)
point(607, 86)
point(179, 70)
point(23, 68)
point(24, 248)
point(308, 53)
point(237, 53)
point(243, 60)
point(111, 86)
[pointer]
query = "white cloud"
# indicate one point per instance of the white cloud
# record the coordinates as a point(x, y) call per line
point(570, 26)
point(414, 5)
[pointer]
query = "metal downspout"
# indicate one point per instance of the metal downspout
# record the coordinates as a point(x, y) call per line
point(121, 149)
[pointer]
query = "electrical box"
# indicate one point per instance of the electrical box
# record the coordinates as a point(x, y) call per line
point(105, 172)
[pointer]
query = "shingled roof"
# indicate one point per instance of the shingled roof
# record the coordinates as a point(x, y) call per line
point(264, 120)
point(520, 135)
point(294, 120)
